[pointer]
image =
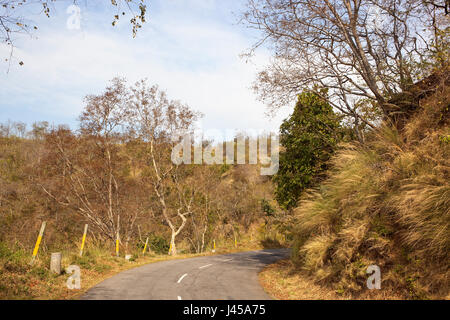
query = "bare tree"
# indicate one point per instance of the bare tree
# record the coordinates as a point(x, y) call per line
point(440, 4)
point(156, 121)
point(39, 129)
point(361, 50)
point(6, 129)
point(20, 129)
point(13, 128)
point(87, 168)
point(205, 180)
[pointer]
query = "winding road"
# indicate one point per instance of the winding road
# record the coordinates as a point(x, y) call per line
point(218, 277)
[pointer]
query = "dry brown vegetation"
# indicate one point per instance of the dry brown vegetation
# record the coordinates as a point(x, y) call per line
point(386, 202)
point(19, 280)
point(284, 281)
point(116, 175)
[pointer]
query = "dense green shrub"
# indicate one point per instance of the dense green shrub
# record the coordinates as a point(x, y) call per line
point(308, 139)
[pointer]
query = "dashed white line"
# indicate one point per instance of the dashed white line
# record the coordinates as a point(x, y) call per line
point(227, 260)
point(182, 277)
point(206, 266)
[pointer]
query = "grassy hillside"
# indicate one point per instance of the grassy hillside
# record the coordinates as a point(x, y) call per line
point(386, 202)
point(234, 212)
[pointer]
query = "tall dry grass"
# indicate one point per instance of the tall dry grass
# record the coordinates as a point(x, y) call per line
point(386, 202)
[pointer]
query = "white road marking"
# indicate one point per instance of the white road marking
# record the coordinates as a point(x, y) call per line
point(208, 265)
point(227, 260)
point(179, 298)
point(184, 275)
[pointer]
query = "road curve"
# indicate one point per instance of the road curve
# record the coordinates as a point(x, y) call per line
point(219, 277)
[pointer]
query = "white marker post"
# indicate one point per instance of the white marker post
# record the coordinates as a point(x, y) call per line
point(55, 262)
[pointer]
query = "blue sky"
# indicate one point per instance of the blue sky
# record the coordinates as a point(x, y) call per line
point(190, 48)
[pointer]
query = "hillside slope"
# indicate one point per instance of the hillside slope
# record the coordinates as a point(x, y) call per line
point(387, 203)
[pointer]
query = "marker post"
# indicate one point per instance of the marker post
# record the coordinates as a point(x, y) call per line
point(84, 239)
point(145, 247)
point(117, 244)
point(38, 242)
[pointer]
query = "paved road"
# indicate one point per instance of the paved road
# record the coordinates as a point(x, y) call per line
point(219, 277)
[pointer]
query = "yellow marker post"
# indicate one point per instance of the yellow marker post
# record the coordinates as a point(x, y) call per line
point(170, 248)
point(214, 244)
point(235, 242)
point(84, 239)
point(38, 242)
point(145, 247)
point(117, 245)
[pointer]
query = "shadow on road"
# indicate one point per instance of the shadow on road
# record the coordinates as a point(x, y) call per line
point(258, 259)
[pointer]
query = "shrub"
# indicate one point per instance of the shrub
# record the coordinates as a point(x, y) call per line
point(308, 137)
point(157, 244)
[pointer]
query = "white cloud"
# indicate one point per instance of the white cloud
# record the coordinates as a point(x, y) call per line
point(195, 60)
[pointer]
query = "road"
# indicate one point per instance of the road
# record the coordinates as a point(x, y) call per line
point(218, 277)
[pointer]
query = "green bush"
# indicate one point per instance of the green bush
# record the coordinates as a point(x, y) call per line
point(157, 244)
point(308, 139)
point(267, 208)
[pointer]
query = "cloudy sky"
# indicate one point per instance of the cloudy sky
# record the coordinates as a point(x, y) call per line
point(190, 48)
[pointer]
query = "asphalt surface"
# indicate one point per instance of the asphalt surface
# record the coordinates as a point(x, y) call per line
point(219, 277)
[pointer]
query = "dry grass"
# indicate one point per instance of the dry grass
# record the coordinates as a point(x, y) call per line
point(283, 281)
point(386, 203)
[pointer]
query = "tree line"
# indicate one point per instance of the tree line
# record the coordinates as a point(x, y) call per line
point(115, 173)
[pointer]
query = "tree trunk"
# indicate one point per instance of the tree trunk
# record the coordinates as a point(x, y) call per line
point(203, 239)
point(173, 248)
point(127, 241)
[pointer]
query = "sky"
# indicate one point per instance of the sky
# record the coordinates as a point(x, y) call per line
point(190, 48)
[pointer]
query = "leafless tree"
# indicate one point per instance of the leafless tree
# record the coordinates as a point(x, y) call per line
point(361, 50)
point(88, 167)
point(440, 4)
point(205, 181)
point(20, 129)
point(156, 121)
